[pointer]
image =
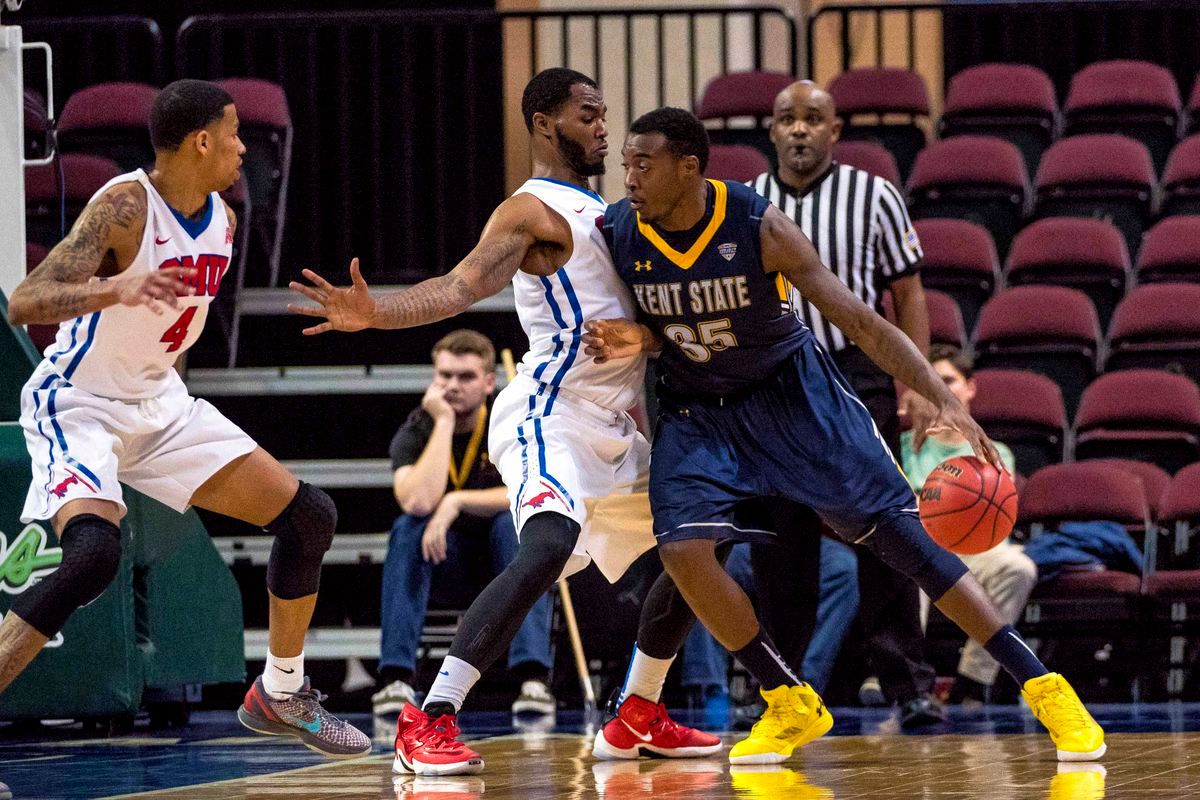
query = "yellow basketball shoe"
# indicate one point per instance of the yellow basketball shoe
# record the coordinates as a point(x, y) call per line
point(795, 716)
point(1055, 704)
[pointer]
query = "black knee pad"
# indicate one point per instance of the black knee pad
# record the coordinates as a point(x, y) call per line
point(303, 532)
point(547, 541)
point(901, 542)
point(91, 554)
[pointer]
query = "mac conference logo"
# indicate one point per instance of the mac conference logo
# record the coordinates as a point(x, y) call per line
point(26, 561)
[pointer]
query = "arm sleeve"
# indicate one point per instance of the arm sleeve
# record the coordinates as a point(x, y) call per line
point(410, 440)
point(898, 250)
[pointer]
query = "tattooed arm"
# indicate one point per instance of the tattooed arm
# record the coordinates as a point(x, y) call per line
point(520, 232)
point(108, 232)
point(787, 250)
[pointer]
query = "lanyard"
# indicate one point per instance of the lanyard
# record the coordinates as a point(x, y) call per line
point(458, 477)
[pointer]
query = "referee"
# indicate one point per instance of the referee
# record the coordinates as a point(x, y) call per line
point(861, 230)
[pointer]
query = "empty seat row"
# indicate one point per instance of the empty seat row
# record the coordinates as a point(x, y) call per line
point(1087, 254)
point(1054, 330)
point(983, 179)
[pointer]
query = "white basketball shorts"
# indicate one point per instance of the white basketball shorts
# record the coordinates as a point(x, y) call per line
point(84, 446)
point(559, 452)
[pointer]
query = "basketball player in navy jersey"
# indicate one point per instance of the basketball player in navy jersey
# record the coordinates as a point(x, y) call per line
point(752, 406)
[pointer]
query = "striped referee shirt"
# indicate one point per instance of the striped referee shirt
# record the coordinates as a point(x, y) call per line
point(859, 225)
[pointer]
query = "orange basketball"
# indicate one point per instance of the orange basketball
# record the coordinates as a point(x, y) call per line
point(967, 505)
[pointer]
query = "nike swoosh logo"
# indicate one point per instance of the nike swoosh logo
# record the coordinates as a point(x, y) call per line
point(161, 241)
point(444, 672)
point(644, 737)
point(312, 727)
point(580, 209)
point(285, 671)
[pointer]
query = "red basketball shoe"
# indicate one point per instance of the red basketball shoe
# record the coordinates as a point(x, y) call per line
point(644, 728)
point(431, 747)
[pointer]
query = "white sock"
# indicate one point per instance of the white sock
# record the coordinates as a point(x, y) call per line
point(454, 680)
point(283, 675)
point(645, 677)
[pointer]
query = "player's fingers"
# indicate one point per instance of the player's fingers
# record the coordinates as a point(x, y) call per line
point(152, 304)
point(356, 275)
point(313, 331)
point(308, 311)
point(919, 434)
point(309, 292)
point(317, 280)
point(177, 272)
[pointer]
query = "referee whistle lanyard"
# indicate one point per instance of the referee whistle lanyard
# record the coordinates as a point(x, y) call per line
point(458, 476)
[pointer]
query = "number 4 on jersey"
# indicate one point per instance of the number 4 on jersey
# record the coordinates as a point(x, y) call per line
point(177, 333)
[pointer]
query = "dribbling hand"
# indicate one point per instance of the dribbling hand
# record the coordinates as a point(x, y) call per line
point(952, 416)
point(345, 309)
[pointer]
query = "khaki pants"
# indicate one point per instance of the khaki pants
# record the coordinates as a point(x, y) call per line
point(1008, 576)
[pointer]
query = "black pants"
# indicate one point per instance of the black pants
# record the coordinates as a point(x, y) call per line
point(889, 605)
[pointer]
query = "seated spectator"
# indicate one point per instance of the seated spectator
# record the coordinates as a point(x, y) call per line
point(456, 532)
point(1006, 573)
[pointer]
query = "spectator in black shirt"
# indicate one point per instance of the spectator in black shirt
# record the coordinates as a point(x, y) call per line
point(456, 530)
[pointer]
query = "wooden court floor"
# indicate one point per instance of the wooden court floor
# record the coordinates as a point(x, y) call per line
point(998, 767)
point(998, 753)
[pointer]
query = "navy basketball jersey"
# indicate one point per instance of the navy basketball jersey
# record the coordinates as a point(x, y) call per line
point(726, 323)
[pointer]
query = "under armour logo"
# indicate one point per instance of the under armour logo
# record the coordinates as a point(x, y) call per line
point(639, 266)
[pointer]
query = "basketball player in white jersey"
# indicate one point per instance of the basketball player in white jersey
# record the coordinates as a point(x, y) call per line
point(560, 434)
point(130, 287)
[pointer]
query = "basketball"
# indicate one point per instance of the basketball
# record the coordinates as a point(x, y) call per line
point(967, 505)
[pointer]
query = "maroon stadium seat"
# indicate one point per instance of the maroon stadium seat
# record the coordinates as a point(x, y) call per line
point(1157, 326)
point(1025, 411)
point(82, 174)
point(1170, 251)
point(873, 158)
point(1010, 101)
point(742, 94)
point(1052, 330)
point(960, 260)
point(266, 130)
point(977, 178)
point(1155, 480)
point(1142, 414)
point(1179, 514)
point(1181, 179)
point(736, 162)
point(874, 92)
point(945, 319)
point(1077, 604)
point(110, 119)
point(42, 335)
point(1086, 254)
point(1098, 175)
point(1173, 586)
point(1133, 98)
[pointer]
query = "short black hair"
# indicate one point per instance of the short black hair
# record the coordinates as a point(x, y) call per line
point(548, 90)
point(184, 107)
point(685, 134)
point(957, 358)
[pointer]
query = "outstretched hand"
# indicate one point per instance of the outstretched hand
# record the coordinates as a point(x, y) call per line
point(345, 309)
point(953, 417)
point(607, 339)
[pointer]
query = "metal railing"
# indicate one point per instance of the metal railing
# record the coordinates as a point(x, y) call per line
point(398, 155)
point(94, 50)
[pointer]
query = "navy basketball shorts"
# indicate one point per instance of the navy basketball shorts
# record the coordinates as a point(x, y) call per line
point(800, 434)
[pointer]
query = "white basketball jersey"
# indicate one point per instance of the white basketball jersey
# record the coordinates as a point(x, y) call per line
point(552, 309)
point(126, 352)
